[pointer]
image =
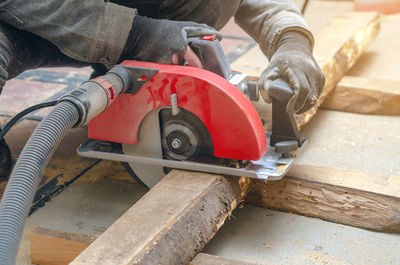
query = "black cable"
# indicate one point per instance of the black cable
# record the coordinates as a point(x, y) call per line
point(17, 117)
point(303, 9)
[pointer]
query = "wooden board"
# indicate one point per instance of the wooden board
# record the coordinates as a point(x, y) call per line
point(206, 259)
point(53, 247)
point(318, 14)
point(382, 59)
point(171, 223)
point(365, 95)
point(377, 87)
point(337, 47)
point(348, 173)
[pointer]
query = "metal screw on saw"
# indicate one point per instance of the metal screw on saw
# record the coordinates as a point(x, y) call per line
point(174, 104)
point(176, 143)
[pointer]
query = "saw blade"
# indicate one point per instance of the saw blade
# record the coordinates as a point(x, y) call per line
point(175, 137)
point(184, 136)
point(149, 145)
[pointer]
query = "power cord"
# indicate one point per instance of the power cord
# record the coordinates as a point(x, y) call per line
point(17, 117)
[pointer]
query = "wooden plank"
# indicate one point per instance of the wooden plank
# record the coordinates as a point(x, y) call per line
point(337, 47)
point(318, 14)
point(365, 95)
point(206, 259)
point(379, 67)
point(348, 173)
point(382, 59)
point(171, 223)
point(53, 247)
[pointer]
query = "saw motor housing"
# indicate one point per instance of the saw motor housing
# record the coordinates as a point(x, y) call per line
point(236, 129)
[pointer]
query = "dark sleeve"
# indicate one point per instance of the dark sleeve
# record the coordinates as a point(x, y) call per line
point(266, 20)
point(92, 31)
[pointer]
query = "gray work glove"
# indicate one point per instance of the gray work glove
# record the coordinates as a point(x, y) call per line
point(161, 40)
point(294, 63)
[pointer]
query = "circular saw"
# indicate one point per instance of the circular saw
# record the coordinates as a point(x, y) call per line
point(195, 119)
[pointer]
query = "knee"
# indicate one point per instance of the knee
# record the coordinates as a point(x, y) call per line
point(215, 13)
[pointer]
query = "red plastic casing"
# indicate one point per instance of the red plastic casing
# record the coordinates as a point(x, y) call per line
point(234, 125)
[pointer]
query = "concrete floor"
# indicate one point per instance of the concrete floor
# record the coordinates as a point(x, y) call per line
point(253, 234)
point(83, 207)
point(271, 237)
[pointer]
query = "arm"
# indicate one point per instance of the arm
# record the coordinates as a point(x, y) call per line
point(267, 20)
point(285, 39)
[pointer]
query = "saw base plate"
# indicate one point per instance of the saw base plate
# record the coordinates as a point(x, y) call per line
point(272, 166)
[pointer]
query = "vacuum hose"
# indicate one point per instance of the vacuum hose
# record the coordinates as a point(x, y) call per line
point(22, 185)
point(73, 110)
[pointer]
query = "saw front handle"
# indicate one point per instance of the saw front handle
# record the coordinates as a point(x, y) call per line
point(285, 133)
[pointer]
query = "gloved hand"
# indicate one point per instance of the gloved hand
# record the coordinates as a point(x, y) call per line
point(294, 63)
point(163, 41)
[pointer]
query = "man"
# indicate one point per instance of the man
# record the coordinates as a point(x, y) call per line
point(103, 33)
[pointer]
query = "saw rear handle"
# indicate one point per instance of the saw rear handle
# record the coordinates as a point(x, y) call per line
point(211, 55)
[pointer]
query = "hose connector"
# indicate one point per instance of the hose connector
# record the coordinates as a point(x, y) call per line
point(94, 96)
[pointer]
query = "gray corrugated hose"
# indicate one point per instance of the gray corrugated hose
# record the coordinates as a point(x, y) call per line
point(24, 180)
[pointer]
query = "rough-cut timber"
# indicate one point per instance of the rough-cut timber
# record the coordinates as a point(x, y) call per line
point(337, 47)
point(53, 247)
point(365, 95)
point(206, 259)
point(348, 173)
point(329, 202)
point(353, 32)
point(382, 59)
point(170, 224)
point(318, 14)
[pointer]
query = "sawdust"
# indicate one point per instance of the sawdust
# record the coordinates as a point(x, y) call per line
point(267, 245)
point(318, 258)
point(244, 184)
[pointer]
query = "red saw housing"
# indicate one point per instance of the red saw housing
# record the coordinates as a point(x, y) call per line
point(234, 125)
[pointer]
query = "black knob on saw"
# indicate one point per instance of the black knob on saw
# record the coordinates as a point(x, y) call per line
point(286, 147)
point(280, 90)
